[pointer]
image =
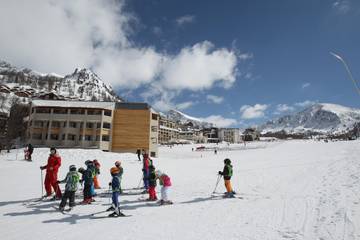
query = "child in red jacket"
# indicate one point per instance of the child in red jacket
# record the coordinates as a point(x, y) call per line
point(165, 183)
point(52, 168)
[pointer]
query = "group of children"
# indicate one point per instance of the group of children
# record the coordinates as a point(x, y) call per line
point(89, 179)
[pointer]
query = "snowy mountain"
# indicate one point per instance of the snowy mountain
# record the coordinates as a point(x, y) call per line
point(319, 118)
point(82, 84)
point(183, 118)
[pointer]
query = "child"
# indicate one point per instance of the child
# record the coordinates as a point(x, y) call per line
point(227, 173)
point(71, 180)
point(87, 179)
point(165, 183)
point(97, 173)
point(91, 167)
point(115, 185)
point(119, 175)
point(152, 184)
point(146, 164)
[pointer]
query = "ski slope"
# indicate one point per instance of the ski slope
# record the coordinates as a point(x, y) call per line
point(289, 190)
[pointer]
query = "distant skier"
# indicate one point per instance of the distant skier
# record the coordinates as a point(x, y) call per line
point(152, 184)
point(52, 168)
point(227, 174)
point(115, 186)
point(138, 152)
point(71, 186)
point(97, 173)
point(119, 175)
point(28, 152)
point(165, 183)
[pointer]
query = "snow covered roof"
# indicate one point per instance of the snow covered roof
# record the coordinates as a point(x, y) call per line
point(73, 104)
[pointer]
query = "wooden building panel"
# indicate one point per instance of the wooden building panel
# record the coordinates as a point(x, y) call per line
point(131, 129)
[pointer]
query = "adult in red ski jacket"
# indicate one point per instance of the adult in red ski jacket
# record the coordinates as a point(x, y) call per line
point(52, 167)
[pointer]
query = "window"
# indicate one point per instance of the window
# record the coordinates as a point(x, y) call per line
point(154, 116)
point(105, 138)
point(80, 137)
point(42, 110)
point(97, 138)
point(55, 124)
point(32, 110)
point(63, 137)
point(154, 140)
point(77, 111)
point(89, 125)
point(36, 136)
point(60, 111)
point(106, 125)
point(71, 137)
point(38, 124)
point(98, 125)
point(152, 154)
point(64, 124)
point(72, 124)
point(154, 128)
point(54, 137)
point(88, 138)
point(107, 113)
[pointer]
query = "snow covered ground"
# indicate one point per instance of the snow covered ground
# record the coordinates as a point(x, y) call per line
point(289, 190)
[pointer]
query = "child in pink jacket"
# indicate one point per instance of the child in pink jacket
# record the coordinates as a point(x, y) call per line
point(165, 183)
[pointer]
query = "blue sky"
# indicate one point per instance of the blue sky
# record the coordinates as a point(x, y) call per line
point(233, 62)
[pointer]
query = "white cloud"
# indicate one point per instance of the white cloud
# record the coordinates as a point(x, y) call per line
point(184, 105)
point(341, 6)
point(245, 56)
point(251, 112)
point(305, 85)
point(185, 19)
point(305, 103)
point(215, 99)
point(220, 121)
point(282, 108)
point(200, 67)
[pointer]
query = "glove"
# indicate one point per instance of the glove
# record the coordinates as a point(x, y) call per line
point(58, 182)
point(220, 172)
point(110, 184)
point(42, 168)
point(80, 181)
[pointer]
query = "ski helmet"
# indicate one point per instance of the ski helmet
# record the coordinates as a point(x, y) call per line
point(117, 163)
point(52, 150)
point(114, 170)
point(81, 170)
point(227, 161)
point(88, 162)
point(72, 168)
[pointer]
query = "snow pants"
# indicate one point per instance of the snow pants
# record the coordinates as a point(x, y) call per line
point(228, 186)
point(164, 193)
point(68, 195)
point(51, 182)
point(96, 182)
point(146, 179)
point(87, 192)
point(115, 199)
point(152, 193)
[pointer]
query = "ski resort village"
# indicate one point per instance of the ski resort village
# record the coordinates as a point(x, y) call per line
point(179, 120)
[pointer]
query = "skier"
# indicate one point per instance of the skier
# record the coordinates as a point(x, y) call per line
point(115, 186)
point(119, 175)
point(97, 173)
point(28, 152)
point(87, 179)
point(138, 152)
point(227, 174)
point(71, 180)
point(91, 167)
point(165, 183)
point(52, 167)
point(146, 164)
point(152, 184)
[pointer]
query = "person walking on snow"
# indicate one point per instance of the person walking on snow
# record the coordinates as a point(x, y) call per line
point(71, 186)
point(52, 168)
point(115, 186)
point(165, 183)
point(227, 174)
point(138, 152)
point(28, 152)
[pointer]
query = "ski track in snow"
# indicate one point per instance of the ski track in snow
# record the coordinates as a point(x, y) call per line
point(286, 190)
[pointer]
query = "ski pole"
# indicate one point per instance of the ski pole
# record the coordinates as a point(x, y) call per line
point(110, 194)
point(138, 186)
point(217, 183)
point(42, 185)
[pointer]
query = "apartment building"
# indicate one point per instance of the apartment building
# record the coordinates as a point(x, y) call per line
point(230, 135)
point(168, 131)
point(107, 126)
